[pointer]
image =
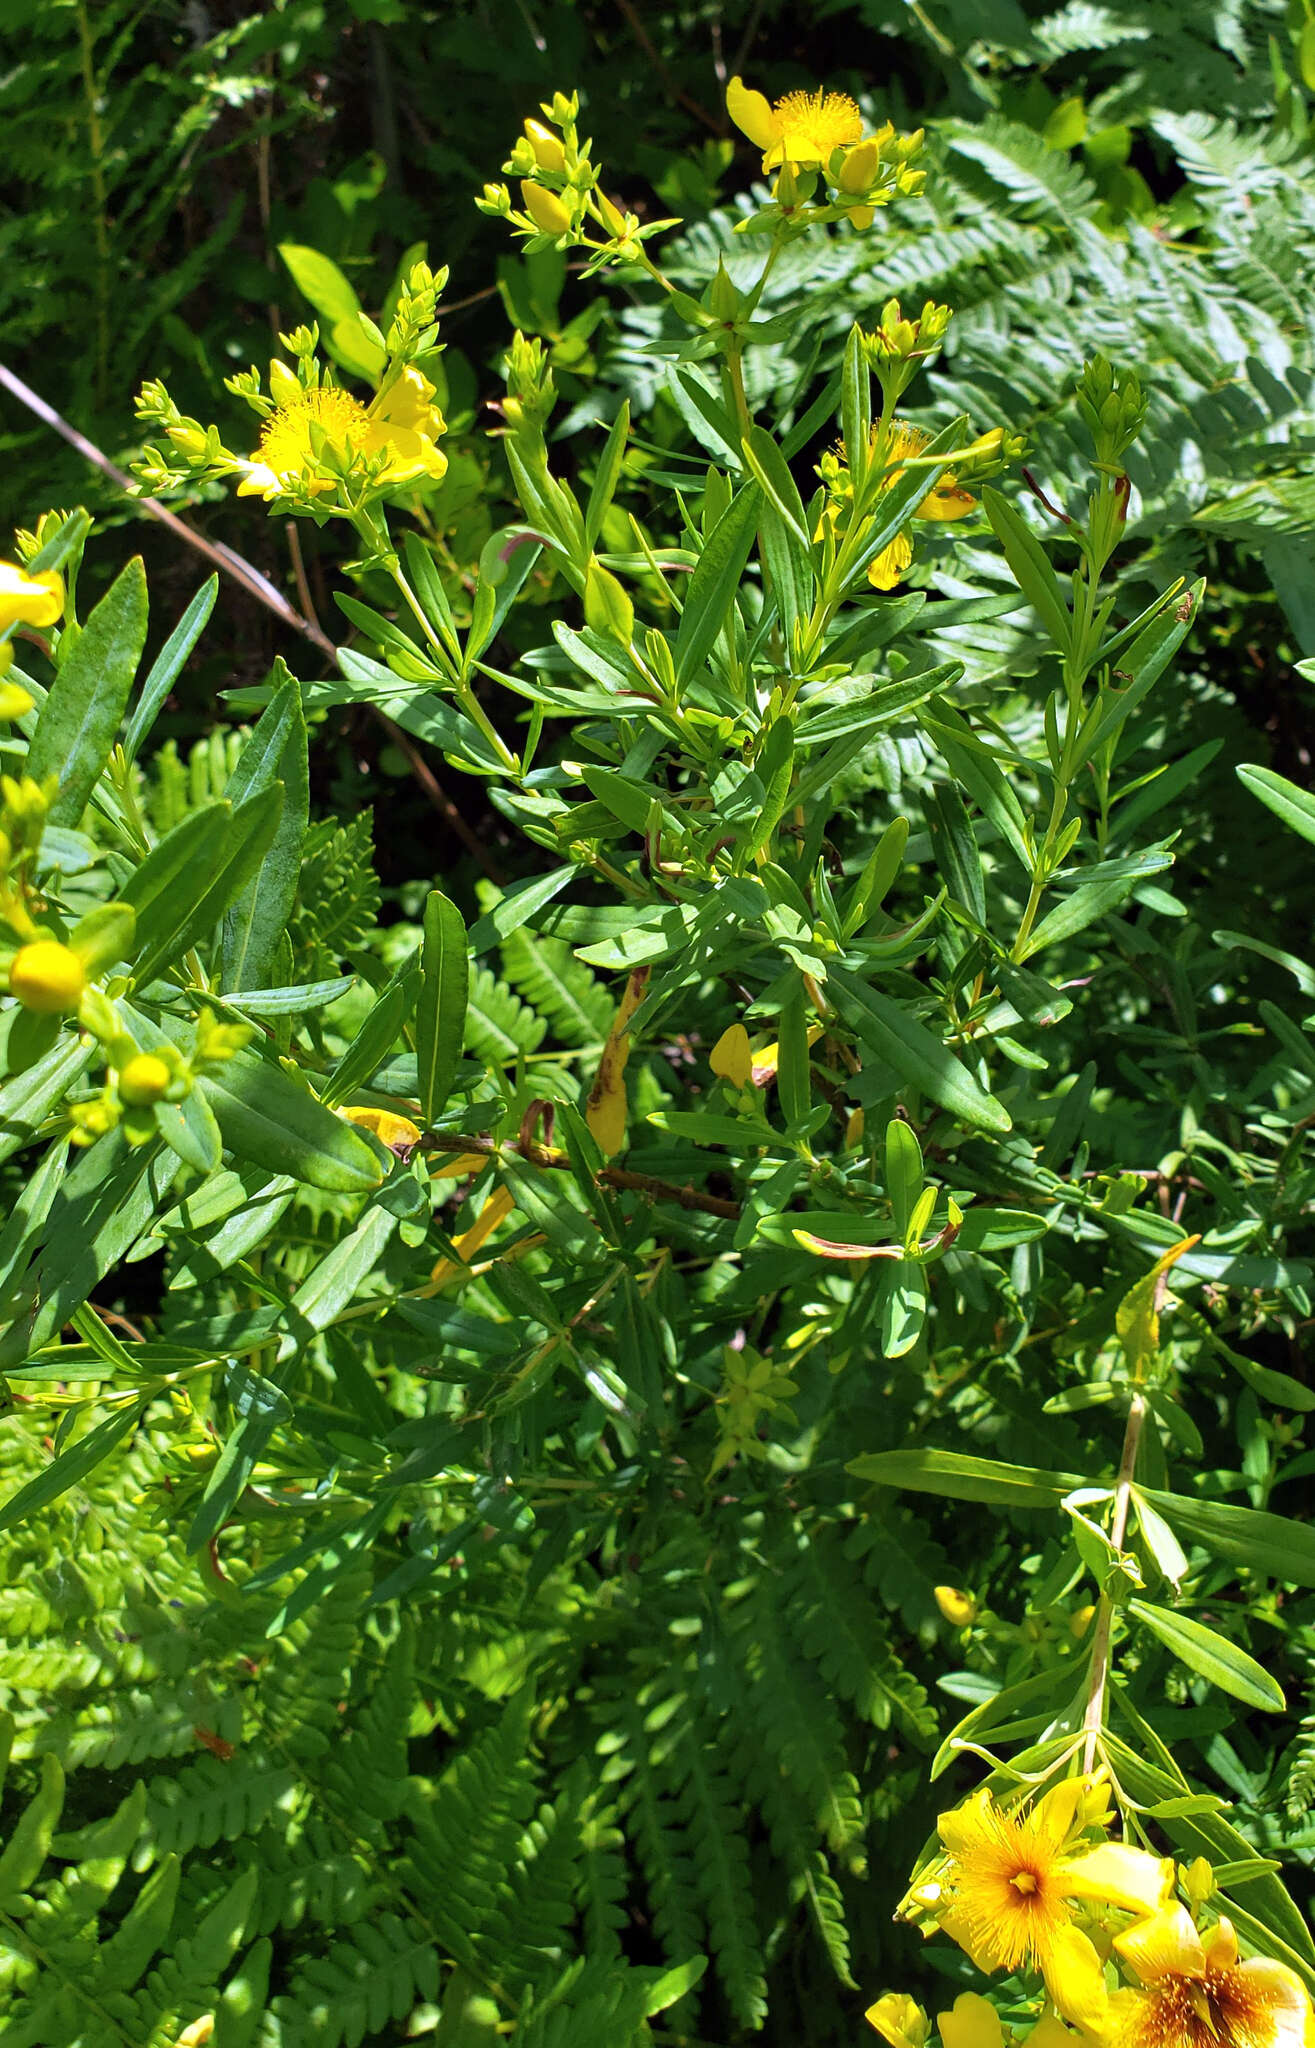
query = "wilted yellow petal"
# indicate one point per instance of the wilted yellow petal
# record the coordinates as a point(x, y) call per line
point(731, 1059)
point(606, 1110)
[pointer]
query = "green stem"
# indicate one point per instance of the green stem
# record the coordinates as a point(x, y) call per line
point(1093, 1718)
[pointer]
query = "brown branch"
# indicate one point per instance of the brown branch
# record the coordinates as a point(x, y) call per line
point(642, 37)
point(553, 1160)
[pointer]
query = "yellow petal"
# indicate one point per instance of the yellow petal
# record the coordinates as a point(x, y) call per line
point(29, 600)
point(899, 2019)
point(972, 2023)
point(1074, 1977)
point(947, 501)
point(1052, 1817)
point(752, 113)
point(545, 209)
point(861, 216)
point(606, 1109)
point(499, 1204)
point(1284, 1998)
point(961, 1828)
point(398, 1133)
point(1165, 1944)
point(1118, 1876)
point(258, 481)
point(732, 1060)
point(1220, 1944)
point(887, 569)
point(1049, 2032)
point(860, 167)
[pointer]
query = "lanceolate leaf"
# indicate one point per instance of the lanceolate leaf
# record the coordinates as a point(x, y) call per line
point(441, 1005)
point(79, 720)
point(1203, 1649)
point(920, 1059)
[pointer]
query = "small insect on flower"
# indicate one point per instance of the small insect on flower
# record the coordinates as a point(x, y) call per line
point(1196, 1994)
point(1009, 1886)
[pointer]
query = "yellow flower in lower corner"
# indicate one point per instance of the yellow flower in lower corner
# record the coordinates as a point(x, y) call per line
point(1196, 1994)
point(1009, 1885)
point(946, 500)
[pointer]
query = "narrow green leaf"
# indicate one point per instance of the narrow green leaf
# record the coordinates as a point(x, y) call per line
point(955, 1476)
point(1203, 1650)
point(1261, 1542)
point(440, 1021)
point(606, 476)
point(270, 1121)
point(69, 1469)
point(711, 597)
point(79, 720)
point(906, 1045)
point(168, 665)
point(1031, 568)
point(256, 919)
point(1296, 807)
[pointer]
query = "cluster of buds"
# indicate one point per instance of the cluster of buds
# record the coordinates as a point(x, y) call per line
point(137, 1082)
point(1113, 406)
point(323, 451)
point(752, 1390)
point(531, 391)
point(897, 347)
point(56, 976)
point(562, 203)
point(826, 168)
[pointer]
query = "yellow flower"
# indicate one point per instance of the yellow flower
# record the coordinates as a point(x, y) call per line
point(314, 435)
point(405, 419)
point(947, 500)
point(29, 600)
point(803, 128)
point(1007, 1890)
point(1196, 1994)
point(899, 2019)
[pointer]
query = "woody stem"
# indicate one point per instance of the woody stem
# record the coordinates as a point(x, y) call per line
point(1098, 1677)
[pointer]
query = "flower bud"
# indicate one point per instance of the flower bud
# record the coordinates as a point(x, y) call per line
point(14, 700)
point(859, 167)
point(958, 1607)
point(143, 1079)
point(46, 977)
point(1080, 1621)
point(545, 209)
point(189, 439)
point(548, 152)
point(613, 215)
point(284, 384)
point(1198, 1881)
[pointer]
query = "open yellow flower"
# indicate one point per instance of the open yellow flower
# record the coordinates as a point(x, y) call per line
point(315, 434)
point(946, 500)
point(1010, 1884)
point(804, 128)
point(27, 600)
point(1196, 1994)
